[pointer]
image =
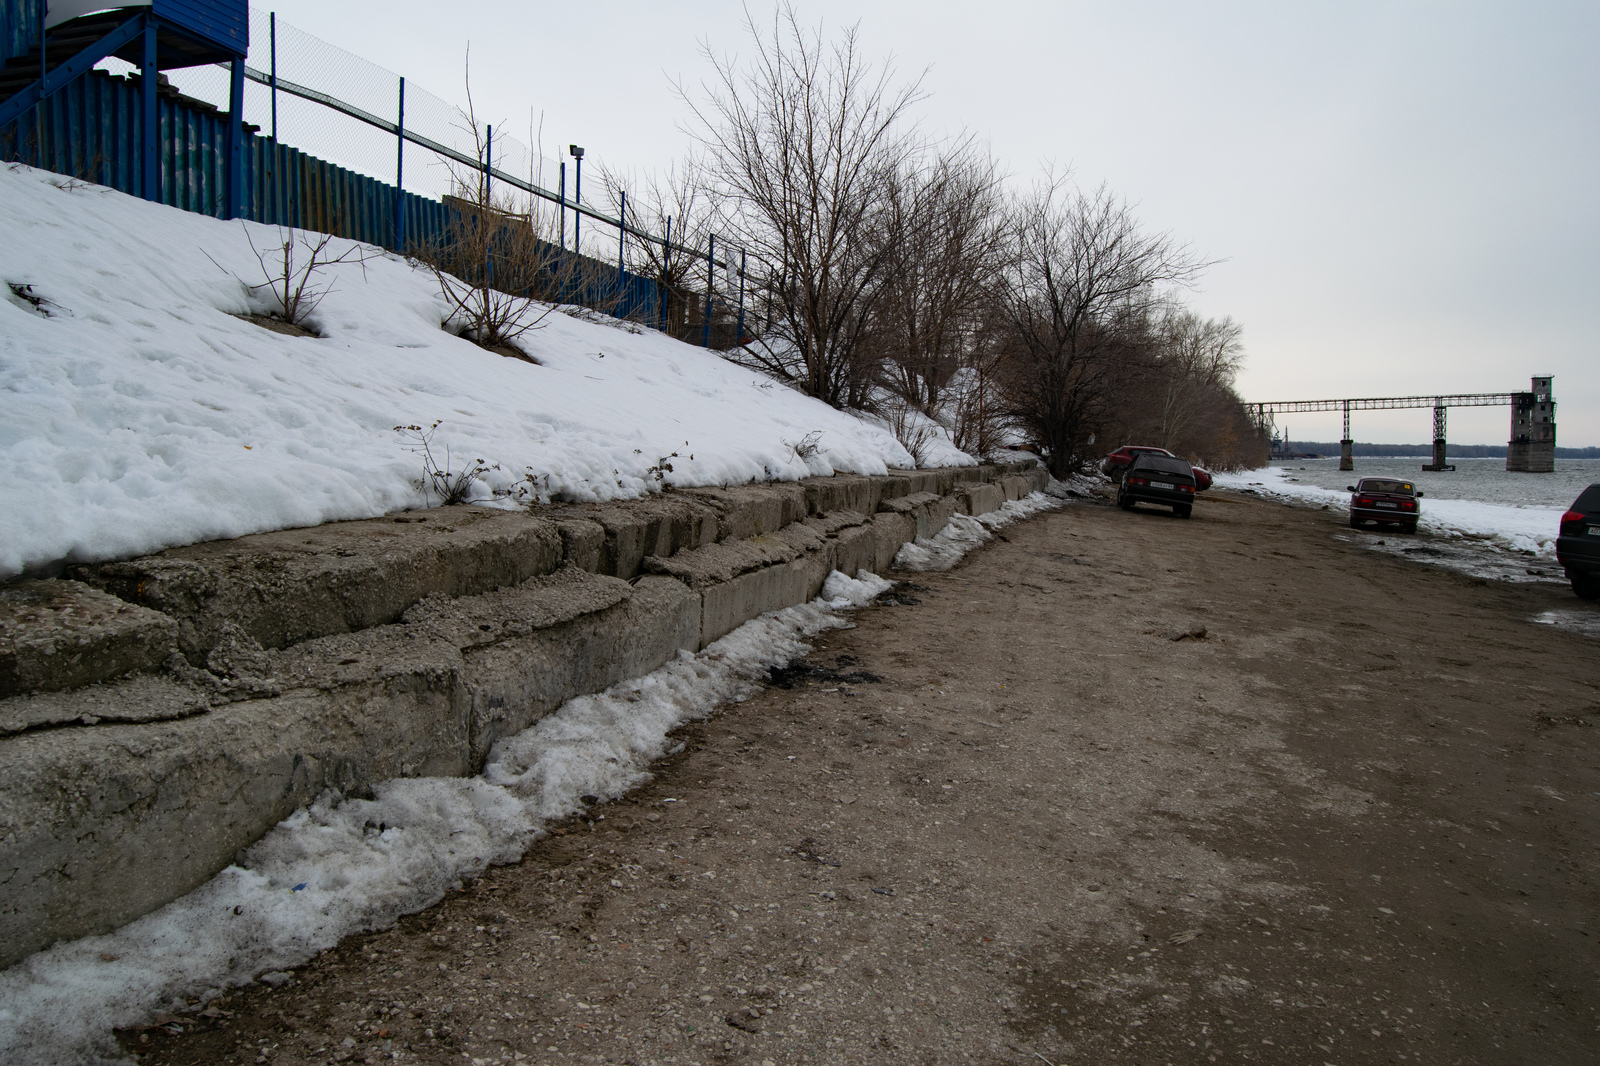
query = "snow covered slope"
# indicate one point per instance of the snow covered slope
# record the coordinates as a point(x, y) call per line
point(137, 412)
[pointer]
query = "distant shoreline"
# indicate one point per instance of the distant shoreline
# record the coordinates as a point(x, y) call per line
point(1413, 451)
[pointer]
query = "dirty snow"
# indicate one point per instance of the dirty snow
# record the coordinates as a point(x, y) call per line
point(138, 412)
point(346, 865)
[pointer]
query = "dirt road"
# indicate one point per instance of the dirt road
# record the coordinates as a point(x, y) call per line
point(1120, 788)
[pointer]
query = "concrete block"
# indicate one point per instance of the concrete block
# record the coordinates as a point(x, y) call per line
point(748, 511)
point(890, 529)
point(731, 604)
point(136, 698)
point(928, 510)
point(660, 526)
point(976, 499)
point(58, 635)
point(935, 515)
point(516, 680)
point(856, 549)
point(583, 543)
point(892, 487)
point(842, 492)
point(832, 522)
point(297, 584)
point(721, 562)
point(101, 825)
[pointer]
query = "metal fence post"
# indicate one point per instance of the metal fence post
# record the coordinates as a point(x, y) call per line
point(399, 173)
point(483, 212)
point(44, 70)
point(711, 280)
point(149, 161)
point(577, 202)
point(235, 207)
point(272, 38)
point(622, 244)
point(561, 207)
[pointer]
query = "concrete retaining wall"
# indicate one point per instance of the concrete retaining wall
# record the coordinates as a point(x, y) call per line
point(347, 654)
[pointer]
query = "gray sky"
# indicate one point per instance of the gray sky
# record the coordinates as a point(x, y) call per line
point(1402, 196)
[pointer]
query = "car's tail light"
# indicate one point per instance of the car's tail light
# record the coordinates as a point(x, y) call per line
point(1186, 488)
point(1137, 481)
point(1408, 505)
point(1363, 501)
point(1572, 517)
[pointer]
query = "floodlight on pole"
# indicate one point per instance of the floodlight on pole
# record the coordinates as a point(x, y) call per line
point(577, 198)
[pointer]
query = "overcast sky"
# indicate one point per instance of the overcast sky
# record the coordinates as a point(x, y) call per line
point(1402, 196)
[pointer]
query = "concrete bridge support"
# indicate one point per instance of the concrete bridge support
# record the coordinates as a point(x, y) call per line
point(1532, 448)
point(1439, 460)
point(1347, 459)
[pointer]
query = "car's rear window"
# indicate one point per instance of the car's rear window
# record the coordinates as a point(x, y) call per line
point(1163, 463)
point(1588, 501)
point(1378, 484)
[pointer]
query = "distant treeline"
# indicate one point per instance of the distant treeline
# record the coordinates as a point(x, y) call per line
point(1456, 451)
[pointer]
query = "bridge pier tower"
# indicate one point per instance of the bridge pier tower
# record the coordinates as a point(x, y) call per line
point(1439, 461)
point(1347, 460)
point(1532, 448)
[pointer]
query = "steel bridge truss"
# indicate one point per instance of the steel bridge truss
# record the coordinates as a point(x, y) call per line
point(1440, 404)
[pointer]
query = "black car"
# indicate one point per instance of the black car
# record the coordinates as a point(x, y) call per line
point(1158, 479)
point(1578, 547)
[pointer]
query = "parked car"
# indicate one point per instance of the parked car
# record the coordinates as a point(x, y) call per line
point(1154, 478)
point(1118, 461)
point(1578, 546)
point(1385, 500)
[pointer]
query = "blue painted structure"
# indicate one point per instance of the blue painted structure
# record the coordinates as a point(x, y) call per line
point(154, 35)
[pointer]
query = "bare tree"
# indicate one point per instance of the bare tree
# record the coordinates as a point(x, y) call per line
point(801, 146)
point(946, 239)
point(678, 205)
point(496, 271)
point(1197, 360)
point(1074, 303)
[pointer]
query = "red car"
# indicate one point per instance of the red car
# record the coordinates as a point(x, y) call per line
point(1382, 499)
point(1118, 462)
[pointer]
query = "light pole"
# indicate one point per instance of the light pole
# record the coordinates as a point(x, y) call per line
point(577, 199)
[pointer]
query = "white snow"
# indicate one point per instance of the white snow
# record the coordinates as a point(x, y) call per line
point(140, 413)
point(963, 533)
point(1530, 528)
point(343, 866)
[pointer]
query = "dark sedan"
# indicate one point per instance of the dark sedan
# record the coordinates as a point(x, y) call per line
point(1158, 479)
point(1382, 499)
point(1118, 462)
point(1578, 546)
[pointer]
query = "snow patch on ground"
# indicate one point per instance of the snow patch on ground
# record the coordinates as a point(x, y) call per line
point(1530, 530)
point(342, 866)
point(963, 533)
point(138, 411)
